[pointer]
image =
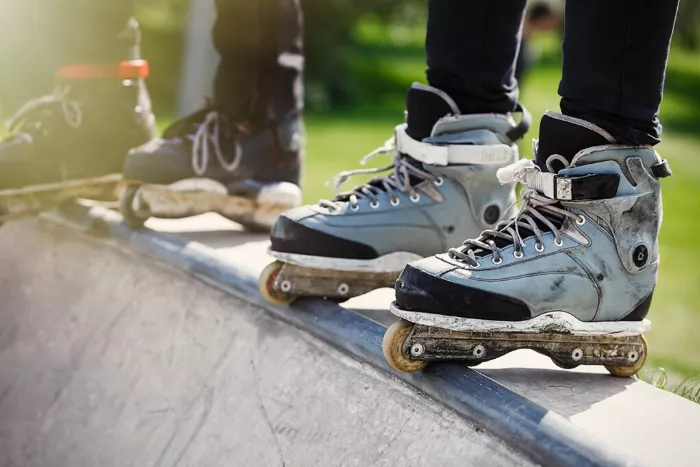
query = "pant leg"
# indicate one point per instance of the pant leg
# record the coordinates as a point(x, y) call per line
point(260, 45)
point(471, 51)
point(615, 55)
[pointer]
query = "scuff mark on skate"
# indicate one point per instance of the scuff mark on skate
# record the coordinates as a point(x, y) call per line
point(556, 283)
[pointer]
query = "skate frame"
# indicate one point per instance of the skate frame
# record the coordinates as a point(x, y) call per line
point(566, 350)
point(300, 281)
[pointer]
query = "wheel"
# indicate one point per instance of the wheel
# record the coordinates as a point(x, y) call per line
point(564, 365)
point(266, 285)
point(627, 371)
point(126, 207)
point(392, 345)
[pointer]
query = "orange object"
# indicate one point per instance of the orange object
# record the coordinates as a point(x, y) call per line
point(132, 69)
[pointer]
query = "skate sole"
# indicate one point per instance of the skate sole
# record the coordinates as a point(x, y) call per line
point(389, 263)
point(547, 323)
point(23, 202)
point(197, 196)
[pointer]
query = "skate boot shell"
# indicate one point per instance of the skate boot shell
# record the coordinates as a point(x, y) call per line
point(441, 186)
point(571, 275)
point(207, 163)
point(73, 143)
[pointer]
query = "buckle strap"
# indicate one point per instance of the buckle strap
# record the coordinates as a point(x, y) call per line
point(577, 187)
point(444, 154)
point(662, 169)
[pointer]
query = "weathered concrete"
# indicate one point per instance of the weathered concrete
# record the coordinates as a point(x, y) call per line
point(109, 359)
point(651, 426)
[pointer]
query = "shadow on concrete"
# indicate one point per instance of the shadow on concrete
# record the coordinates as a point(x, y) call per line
point(564, 391)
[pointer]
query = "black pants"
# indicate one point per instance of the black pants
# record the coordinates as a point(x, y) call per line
point(615, 54)
point(259, 43)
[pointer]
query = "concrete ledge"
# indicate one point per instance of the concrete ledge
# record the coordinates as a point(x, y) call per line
point(542, 435)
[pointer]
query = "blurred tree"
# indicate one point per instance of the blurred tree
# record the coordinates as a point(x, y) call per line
point(688, 25)
point(330, 37)
point(330, 27)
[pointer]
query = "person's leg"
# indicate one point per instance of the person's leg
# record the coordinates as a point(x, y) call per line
point(248, 140)
point(615, 57)
point(260, 45)
point(471, 49)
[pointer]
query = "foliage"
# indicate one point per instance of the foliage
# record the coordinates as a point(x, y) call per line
point(688, 25)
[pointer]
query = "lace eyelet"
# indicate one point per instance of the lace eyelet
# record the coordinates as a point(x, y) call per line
point(558, 242)
point(415, 197)
point(439, 181)
point(539, 247)
point(395, 201)
point(354, 207)
point(475, 267)
point(518, 254)
point(581, 220)
point(496, 262)
point(374, 204)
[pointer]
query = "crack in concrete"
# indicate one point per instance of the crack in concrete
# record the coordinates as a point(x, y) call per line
point(261, 404)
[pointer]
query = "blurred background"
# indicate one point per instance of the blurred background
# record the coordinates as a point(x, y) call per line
point(361, 55)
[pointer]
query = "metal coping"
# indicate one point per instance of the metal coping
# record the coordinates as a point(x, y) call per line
point(543, 436)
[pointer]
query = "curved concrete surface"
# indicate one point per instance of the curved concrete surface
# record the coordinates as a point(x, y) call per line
point(108, 359)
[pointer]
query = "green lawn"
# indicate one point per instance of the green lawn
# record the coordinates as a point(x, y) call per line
point(337, 141)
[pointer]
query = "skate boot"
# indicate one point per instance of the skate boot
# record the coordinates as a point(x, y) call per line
point(207, 163)
point(73, 143)
point(441, 186)
point(570, 276)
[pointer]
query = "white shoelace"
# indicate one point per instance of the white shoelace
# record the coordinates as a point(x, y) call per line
point(206, 139)
point(532, 212)
point(398, 180)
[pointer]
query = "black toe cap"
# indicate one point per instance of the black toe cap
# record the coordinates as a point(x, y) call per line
point(417, 290)
point(290, 236)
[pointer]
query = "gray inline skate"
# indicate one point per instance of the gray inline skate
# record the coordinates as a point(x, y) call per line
point(208, 163)
point(441, 186)
point(570, 276)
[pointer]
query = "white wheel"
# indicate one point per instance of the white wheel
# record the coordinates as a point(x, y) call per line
point(627, 371)
point(392, 345)
point(266, 285)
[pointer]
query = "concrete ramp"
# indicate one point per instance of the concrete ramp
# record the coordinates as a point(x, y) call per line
point(110, 359)
point(153, 348)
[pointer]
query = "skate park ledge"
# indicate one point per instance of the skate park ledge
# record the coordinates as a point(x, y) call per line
point(549, 415)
